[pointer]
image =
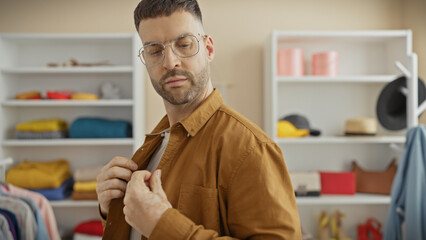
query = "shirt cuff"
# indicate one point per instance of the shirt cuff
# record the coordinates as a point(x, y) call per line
point(102, 217)
point(172, 225)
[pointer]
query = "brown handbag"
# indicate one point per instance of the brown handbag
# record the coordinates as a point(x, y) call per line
point(377, 182)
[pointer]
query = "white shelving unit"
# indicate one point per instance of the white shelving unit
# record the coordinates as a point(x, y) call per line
point(23, 68)
point(366, 64)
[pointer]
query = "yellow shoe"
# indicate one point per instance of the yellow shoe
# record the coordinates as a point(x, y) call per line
point(337, 227)
point(323, 227)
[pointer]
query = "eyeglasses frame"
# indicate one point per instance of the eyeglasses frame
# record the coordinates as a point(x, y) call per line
point(170, 44)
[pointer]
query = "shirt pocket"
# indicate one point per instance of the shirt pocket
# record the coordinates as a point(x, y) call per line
point(200, 204)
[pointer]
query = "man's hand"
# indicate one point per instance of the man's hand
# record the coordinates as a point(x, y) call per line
point(145, 201)
point(112, 181)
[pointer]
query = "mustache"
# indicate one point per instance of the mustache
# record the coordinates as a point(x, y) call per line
point(176, 72)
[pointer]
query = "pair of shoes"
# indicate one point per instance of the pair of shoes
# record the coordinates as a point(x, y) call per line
point(337, 227)
point(324, 227)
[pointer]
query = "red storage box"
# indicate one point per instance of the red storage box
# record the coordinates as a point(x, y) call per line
point(338, 183)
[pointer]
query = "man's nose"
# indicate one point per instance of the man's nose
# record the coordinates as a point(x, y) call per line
point(170, 59)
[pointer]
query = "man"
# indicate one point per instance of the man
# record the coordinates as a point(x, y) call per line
point(218, 175)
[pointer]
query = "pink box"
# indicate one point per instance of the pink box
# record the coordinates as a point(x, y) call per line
point(326, 63)
point(290, 62)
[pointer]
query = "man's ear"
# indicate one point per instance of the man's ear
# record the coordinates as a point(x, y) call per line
point(208, 40)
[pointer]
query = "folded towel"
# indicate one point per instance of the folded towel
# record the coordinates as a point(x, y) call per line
point(39, 175)
point(60, 193)
point(100, 128)
point(43, 125)
point(85, 186)
point(85, 174)
point(84, 196)
point(40, 135)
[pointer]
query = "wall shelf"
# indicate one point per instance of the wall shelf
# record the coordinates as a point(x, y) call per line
point(366, 64)
point(23, 68)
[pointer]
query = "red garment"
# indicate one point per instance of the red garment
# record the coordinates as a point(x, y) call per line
point(59, 94)
point(92, 227)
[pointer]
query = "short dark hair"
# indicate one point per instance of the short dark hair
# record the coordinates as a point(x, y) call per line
point(156, 8)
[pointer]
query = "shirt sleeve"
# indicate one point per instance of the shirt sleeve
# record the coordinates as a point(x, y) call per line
point(260, 203)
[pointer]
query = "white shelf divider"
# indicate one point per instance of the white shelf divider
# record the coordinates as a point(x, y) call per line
point(342, 139)
point(338, 79)
point(67, 103)
point(344, 199)
point(74, 203)
point(47, 70)
point(69, 142)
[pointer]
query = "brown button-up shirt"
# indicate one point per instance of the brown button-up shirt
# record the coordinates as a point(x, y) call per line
point(225, 178)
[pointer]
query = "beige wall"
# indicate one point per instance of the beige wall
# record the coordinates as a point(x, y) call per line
point(239, 29)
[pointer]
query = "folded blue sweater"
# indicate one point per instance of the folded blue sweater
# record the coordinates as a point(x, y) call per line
point(100, 128)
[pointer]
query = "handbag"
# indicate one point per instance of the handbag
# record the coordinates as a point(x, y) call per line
point(306, 183)
point(338, 183)
point(376, 182)
point(370, 230)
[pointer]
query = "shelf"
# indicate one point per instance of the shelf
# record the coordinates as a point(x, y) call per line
point(344, 199)
point(342, 139)
point(74, 203)
point(38, 70)
point(67, 103)
point(338, 79)
point(69, 142)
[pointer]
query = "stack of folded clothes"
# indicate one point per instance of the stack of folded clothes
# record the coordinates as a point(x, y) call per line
point(88, 230)
point(85, 183)
point(42, 129)
point(31, 95)
point(51, 179)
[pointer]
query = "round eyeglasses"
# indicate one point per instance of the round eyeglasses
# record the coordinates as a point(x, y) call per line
point(183, 46)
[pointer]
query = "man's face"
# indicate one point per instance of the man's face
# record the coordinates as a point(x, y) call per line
point(178, 80)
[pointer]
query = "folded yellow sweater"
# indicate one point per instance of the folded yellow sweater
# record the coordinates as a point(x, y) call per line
point(42, 125)
point(39, 175)
point(85, 186)
point(84, 96)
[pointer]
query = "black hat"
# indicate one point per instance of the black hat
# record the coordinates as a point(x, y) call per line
point(392, 104)
point(301, 122)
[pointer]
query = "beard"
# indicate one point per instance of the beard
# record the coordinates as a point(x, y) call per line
point(197, 83)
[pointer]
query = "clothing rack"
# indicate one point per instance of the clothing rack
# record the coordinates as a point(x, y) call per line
point(414, 110)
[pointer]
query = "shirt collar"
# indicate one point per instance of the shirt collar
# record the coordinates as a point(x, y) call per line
point(197, 119)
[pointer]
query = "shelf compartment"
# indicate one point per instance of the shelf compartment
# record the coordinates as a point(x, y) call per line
point(69, 142)
point(357, 199)
point(38, 70)
point(67, 103)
